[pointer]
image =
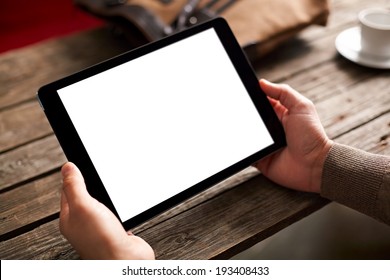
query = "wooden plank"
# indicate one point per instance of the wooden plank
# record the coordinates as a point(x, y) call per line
point(22, 207)
point(200, 233)
point(24, 70)
point(330, 79)
point(29, 161)
point(340, 113)
point(356, 105)
point(42, 243)
point(183, 243)
point(373, 137)
point(29, 203)
point(333, 111)
point(208, 194)
point(22, 124)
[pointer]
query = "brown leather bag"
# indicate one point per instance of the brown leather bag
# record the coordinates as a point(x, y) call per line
point(259, 25)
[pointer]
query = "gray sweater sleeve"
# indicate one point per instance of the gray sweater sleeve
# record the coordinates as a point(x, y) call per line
point(359, 180)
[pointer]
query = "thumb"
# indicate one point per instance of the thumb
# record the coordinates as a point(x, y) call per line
point(287, 96)
point(74, 187)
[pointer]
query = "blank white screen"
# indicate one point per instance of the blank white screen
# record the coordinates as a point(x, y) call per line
point(161, 123)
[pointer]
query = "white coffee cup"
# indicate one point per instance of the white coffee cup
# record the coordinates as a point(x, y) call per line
point(375, 31)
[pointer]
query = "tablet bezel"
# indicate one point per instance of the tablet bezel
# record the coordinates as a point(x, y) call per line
point(76, 152)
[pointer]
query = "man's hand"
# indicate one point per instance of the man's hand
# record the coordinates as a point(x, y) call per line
point(299, 165)
point(91, 228)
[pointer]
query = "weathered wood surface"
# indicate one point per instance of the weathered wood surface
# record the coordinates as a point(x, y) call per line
point(353, 103)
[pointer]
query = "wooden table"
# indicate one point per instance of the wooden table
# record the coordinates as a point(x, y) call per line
point(353, 103)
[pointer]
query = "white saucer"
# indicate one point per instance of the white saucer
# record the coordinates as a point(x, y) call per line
point(348, 45)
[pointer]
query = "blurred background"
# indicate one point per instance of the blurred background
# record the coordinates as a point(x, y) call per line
point(25, 22)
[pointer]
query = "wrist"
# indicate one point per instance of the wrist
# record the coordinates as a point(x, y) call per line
point(318, 166)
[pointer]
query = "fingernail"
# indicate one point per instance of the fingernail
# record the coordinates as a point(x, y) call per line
point(66, 169)
point(266, 81)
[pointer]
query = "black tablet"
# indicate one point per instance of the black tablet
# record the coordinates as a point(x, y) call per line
point(161, 123)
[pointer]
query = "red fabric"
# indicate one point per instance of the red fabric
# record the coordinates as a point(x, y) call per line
point(24, 22)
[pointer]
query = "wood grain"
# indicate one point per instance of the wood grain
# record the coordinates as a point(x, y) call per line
point(171, 241)
point(24, 70)
point(22, 124)
point(373, 136)
point(29, 161)
point(355, 105)
point(248, 217)
point(44, 242)
point(339, 113)
point(177, 237)
point(29, 203)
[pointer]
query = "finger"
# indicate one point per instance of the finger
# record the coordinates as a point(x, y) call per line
point(262, 164)
point(73, 184)
point(278, 108)
point(64, 203)
point(287, 96)
point(64, 213)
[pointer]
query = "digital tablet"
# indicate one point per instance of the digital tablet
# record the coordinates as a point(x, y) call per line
point(161, 123)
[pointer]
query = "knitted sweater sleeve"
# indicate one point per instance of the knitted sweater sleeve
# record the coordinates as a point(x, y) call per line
point(359, 180)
